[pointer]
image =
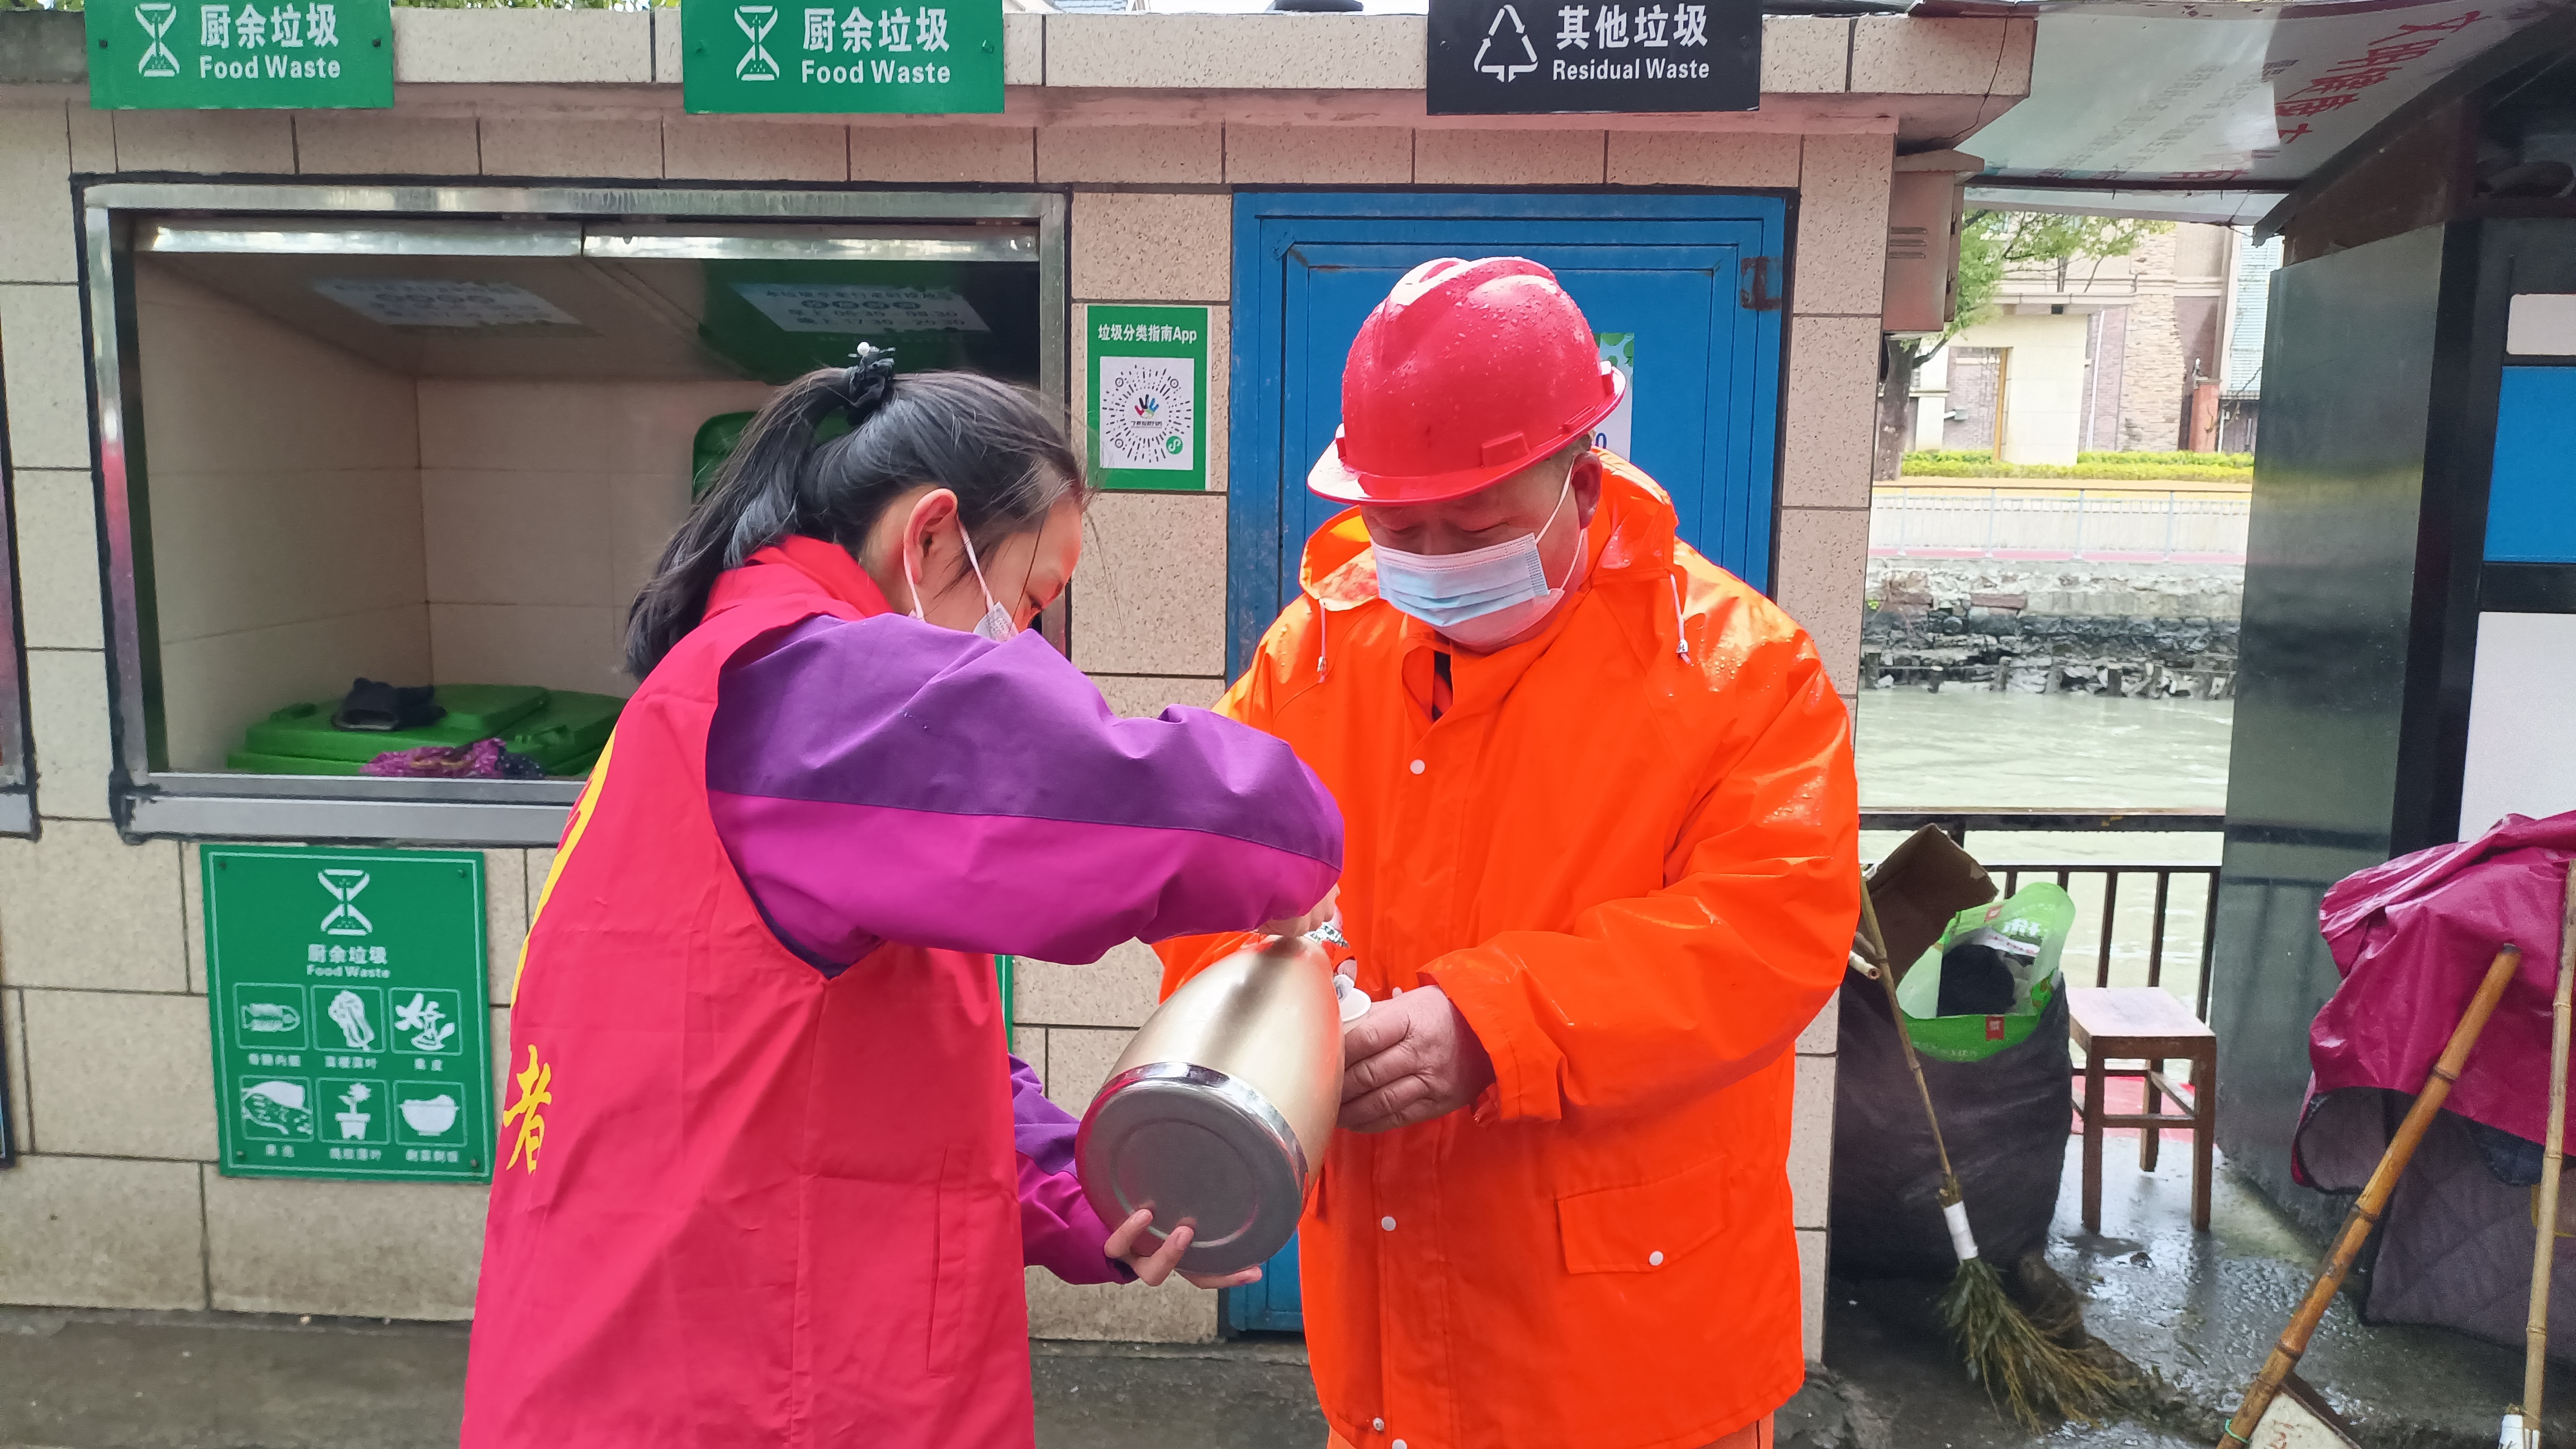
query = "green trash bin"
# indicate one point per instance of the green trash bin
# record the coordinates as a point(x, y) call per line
point(567, 733)
point(562, 730)
point(715, 442)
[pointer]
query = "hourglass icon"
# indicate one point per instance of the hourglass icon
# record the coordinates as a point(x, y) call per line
point(345, 918)
point(755, 22)
point(158, 62)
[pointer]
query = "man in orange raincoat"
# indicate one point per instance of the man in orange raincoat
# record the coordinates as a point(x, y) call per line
point(1600, 870)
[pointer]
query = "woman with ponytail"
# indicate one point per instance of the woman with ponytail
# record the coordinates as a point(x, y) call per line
point(768, 1174)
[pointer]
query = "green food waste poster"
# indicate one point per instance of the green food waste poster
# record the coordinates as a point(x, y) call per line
point(191, 55)
point(352, 1023)
point(871, 57)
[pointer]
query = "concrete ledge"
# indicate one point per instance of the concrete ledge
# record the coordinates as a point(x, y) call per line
point(1024, 48)
point(561, 47)
point(1903, 56)
point(1236, 52)
point(1805, 55)
point(39, 46)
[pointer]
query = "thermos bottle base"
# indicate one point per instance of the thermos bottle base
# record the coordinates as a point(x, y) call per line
point(1197, 1147)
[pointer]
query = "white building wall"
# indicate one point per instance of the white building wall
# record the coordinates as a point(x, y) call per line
point(2043, 394)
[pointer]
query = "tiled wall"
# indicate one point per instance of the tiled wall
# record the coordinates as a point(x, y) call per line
point(284, 479)
point(1149, 223)
point(545, 505)
point(117, 1201)
point(317, 518)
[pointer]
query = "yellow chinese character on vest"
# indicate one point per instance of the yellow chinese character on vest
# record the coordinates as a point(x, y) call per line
point(536, 1090)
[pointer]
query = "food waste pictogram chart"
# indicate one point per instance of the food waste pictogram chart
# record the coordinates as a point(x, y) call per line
point(352, 1031)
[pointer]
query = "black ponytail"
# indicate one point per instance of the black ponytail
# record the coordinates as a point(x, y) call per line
point(1001, 450)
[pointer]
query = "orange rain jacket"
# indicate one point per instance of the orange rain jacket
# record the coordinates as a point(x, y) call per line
point(1628, 853)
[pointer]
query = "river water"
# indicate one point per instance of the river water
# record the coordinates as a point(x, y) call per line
point(1985, 748)
point(1965, 749)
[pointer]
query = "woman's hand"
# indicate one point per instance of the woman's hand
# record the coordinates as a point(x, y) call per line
point(1152, 1269)
point(1327, 909)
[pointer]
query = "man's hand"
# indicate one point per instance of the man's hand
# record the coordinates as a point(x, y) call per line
point(1412, 1058)
point(1325, 910)
point(1152, 1269)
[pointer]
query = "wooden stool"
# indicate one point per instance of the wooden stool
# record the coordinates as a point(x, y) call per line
point(2145, 1024)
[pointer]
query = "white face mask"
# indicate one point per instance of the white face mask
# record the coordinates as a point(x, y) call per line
point(1483, 597)
point(996, 624)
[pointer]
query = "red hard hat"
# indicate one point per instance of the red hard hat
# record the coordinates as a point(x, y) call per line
point(1467, 373)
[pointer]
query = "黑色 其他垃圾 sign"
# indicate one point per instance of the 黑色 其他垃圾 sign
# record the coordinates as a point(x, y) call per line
point(1516, 57)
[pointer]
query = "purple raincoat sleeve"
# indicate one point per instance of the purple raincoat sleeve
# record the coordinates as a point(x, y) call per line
point(1058, 1230)
point(886, 780)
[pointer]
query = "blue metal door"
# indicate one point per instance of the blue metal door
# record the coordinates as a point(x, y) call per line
point(1696, 280)
point(1271, 1305)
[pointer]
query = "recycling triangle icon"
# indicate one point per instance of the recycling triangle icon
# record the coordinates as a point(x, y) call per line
point(1504, 66)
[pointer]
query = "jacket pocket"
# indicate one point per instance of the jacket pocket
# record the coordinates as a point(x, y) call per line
point(977, 1283)
point(1647, 1226)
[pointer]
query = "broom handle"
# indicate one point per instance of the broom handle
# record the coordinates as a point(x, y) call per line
point(2374, 1196)
point(2535, 1361)
point(1887, 979)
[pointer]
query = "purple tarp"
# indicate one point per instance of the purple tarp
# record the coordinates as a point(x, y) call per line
point(2414, 937)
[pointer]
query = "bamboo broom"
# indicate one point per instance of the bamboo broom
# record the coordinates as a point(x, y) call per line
point(2374, 1197)
point(2522, 1426)
point(2021, 1367)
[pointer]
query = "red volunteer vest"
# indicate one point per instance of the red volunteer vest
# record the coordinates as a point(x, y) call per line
point(741, 1204)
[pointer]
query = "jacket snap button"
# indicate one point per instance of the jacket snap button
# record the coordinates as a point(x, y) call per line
point(1416, 767)
point(1399, 1444)
point(1387, 1223)
point(1377, 1425)
point(1655, 1259)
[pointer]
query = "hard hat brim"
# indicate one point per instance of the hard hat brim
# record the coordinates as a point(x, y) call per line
point(1334, 478)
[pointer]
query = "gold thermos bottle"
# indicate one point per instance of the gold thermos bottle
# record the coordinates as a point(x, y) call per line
point(1218, 1113)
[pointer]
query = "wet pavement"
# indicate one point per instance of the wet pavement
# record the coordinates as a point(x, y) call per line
point(2202, 1310)
point(99, 1379)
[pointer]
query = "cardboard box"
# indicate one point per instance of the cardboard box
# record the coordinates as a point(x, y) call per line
point(1925, 881)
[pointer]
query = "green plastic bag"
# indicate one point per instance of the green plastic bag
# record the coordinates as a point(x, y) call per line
point(2037, 921)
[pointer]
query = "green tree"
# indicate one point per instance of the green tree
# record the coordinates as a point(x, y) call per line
point(1991, 245)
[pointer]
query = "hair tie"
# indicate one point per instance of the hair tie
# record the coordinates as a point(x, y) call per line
point(866, 382)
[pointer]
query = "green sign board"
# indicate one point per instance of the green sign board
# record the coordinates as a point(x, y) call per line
point(203, 55)
point(1619, 349)
point(941, 58)
point(1148, 379)
point(352, 1026)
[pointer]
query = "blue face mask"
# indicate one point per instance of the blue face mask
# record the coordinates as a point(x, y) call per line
point(1479, 598)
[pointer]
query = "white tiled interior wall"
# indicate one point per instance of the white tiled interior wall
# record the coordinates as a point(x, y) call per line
point(316, 517)
point(284, 482)
point(544, 506)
